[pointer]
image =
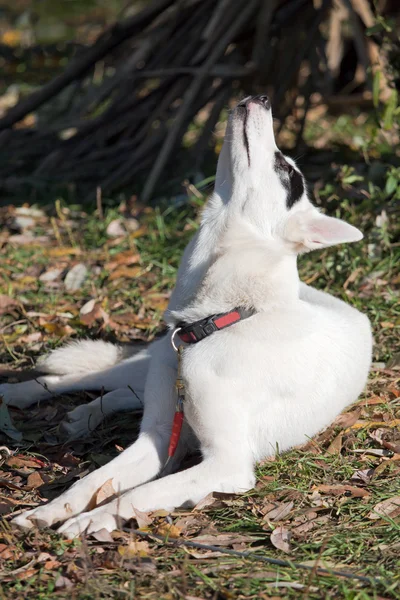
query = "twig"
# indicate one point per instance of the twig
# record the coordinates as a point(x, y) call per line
point(190, 96)
point(262, 31)
point(266, 559)
point(81, 64)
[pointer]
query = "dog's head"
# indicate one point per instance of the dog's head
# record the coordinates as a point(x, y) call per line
point(266, 189)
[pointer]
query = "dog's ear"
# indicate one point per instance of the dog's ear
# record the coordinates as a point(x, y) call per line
point(309, 230)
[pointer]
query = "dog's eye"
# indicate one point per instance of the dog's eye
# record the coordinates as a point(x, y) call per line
point(288, 168)
point(282, 164)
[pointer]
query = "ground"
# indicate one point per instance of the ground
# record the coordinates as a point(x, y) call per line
point(334, 503)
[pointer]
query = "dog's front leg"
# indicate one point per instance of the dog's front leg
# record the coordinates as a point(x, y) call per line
point(179, 490)
point(139, 463)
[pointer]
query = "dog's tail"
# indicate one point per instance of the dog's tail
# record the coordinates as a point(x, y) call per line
point(85, 356)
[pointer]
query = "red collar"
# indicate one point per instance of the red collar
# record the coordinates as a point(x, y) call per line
point(195, 332)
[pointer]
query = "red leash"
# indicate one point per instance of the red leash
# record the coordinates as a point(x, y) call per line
point(178, 416)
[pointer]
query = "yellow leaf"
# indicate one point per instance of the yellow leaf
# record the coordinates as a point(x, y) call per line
point(63, 251)
point(58, 329)
point(125, 272)
point(168, 530)
point(135, 548)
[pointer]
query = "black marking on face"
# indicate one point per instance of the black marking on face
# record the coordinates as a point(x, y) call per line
point(290, 178)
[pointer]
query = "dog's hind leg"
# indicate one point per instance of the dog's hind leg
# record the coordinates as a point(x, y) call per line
point(86, 417)
point(130, 373)
point(139, 463)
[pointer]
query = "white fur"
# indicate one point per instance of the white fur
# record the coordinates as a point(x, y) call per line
point(272, 380)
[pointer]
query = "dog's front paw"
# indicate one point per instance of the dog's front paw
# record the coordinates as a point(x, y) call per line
point(89, 522)
point(38, 517)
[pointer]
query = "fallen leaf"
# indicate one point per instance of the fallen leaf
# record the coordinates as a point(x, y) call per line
point(347, 419)
point(216, 499)
point(50, 275)
point(6, 424)
point(106, 491)
point(386, 508)
point(125, 272)
point(209, 500)
point(339, 489)
point(50, 565)
point(294, 585)
point(135, 548)
point(75, 277)
point(224, 539)
point(335, 447)
point(103, 535)
point(34, 480)
point(279, 513)
point(122, 258)
point(63, 582)
point(57, 328)
point(63, 251)
point(143, 519)
point(363, 476)
point(7, 304)
point(280, 538)
point(19, 462)
point(167, 530)
point(116, 228)
point(91, 312)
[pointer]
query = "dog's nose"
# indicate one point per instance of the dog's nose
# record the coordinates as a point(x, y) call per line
point(264, 100)
point(260, 99)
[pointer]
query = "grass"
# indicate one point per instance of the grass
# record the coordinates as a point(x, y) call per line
point(328, 489)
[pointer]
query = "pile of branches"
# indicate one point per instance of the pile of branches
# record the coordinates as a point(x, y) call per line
point(116, 116)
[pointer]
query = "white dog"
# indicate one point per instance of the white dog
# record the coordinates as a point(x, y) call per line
point(294, 358)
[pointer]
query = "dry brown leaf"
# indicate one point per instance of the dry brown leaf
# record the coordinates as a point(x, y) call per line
point(91, 312)
point(19, 462)
point(386, 508)
point(203, 554)
point(335, 447)
point(134, 549)
point(373, 401)
point(34, 480)
point(143, 519)
point(280, 512)
point(339, 489)
point(106, 491)
point(209, 500)
point(63, 582)
point(223, 539)
point(347, 419)
point(216, 499)
point(7, 304)
point(369, 424)
point(125, 273)
point(123, 258)
point(280, 538)
point(50, 565)
point(103, 535)
point(363, 475)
